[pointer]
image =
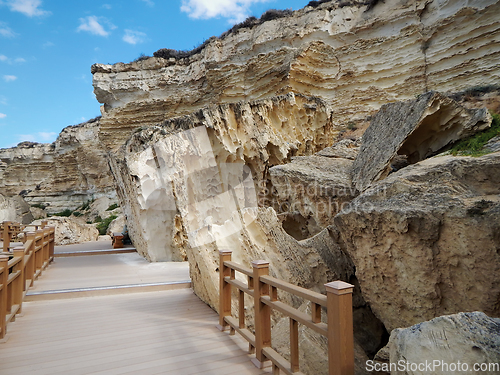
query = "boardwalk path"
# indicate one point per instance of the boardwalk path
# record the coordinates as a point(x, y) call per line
point(151, 332)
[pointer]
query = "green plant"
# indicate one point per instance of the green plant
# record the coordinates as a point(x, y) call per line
point(66, 213)
point(114, 206)
point(102, 227)
point(77, 213)
point(98, 219)
point(473, 146)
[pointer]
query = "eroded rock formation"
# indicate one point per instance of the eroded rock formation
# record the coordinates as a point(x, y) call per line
point(425, 241)
point(310, 190)
point(166, 173)
point(62, 175)
point(415, 129)
point(15, 209)
point(353, 57)
point(466, 338)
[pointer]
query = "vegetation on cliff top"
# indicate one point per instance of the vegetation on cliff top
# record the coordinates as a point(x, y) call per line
point(250, 22)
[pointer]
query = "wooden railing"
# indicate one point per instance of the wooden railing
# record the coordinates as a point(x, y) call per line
point(8, 231)
point(18, 271)
point(264, 290)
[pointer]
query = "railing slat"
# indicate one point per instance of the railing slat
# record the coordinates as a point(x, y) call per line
point(302, 318)
point(238, 284)
point(239, 268)
point(318, 298)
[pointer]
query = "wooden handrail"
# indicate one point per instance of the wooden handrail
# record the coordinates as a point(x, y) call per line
point(264, 289)
point(9, 230)
point(18, 274)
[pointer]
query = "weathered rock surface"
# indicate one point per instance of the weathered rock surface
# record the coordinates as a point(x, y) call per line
point(466, 338)
point(71, 230)
point(310, 190)
point(178, 178)
point(425, 241)
point(62, 175)
point(15, 209)
point(355, 59)
point(417, 129)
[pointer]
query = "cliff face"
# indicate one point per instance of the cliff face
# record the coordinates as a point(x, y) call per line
point(61, 175)
point(353, 58)
point(192, 144)
point(174, 176)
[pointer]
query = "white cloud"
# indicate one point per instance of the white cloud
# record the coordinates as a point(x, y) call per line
point(9, 60)
point(134, 37)
point(29, 8)
point(47, 136)
point(106, 6)
point(235, 10)
point(6, 31)
point(149, 3)
point(9, 78)
point(40, 137)
point(94, 25)
point(3, 115)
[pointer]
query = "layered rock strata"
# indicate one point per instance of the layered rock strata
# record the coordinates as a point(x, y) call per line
point(353, 57)
point(62, 175)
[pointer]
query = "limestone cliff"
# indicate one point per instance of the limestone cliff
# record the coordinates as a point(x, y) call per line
point(165, 171)
point(197, 146)
point(354, 58)
point(62, 175)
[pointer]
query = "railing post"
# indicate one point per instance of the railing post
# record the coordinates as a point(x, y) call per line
point(31, 266)
point(18, 288)
point(6, 236)
point(340, 328)
point(46, 245)
point(4, 276)
point(262, 313)
point(52, 242)
point(39, 252)
point(224, 289)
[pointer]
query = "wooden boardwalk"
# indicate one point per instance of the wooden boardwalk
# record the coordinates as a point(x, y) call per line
point(153, 332)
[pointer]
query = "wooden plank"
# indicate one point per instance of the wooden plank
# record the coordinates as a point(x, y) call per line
point(238, 267)
point(301, 317)
point(279, 361)
point(318, 298)
point(240, 285)
point(157, 332)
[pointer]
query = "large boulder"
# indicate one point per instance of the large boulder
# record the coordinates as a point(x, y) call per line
point(311, 190)
point(71, 230)
point(195, 171)
point(416, 129)
point(426, 240)
point(15, 209)
point(465, 343)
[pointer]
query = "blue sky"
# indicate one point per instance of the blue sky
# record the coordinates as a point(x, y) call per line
point(47, 48)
